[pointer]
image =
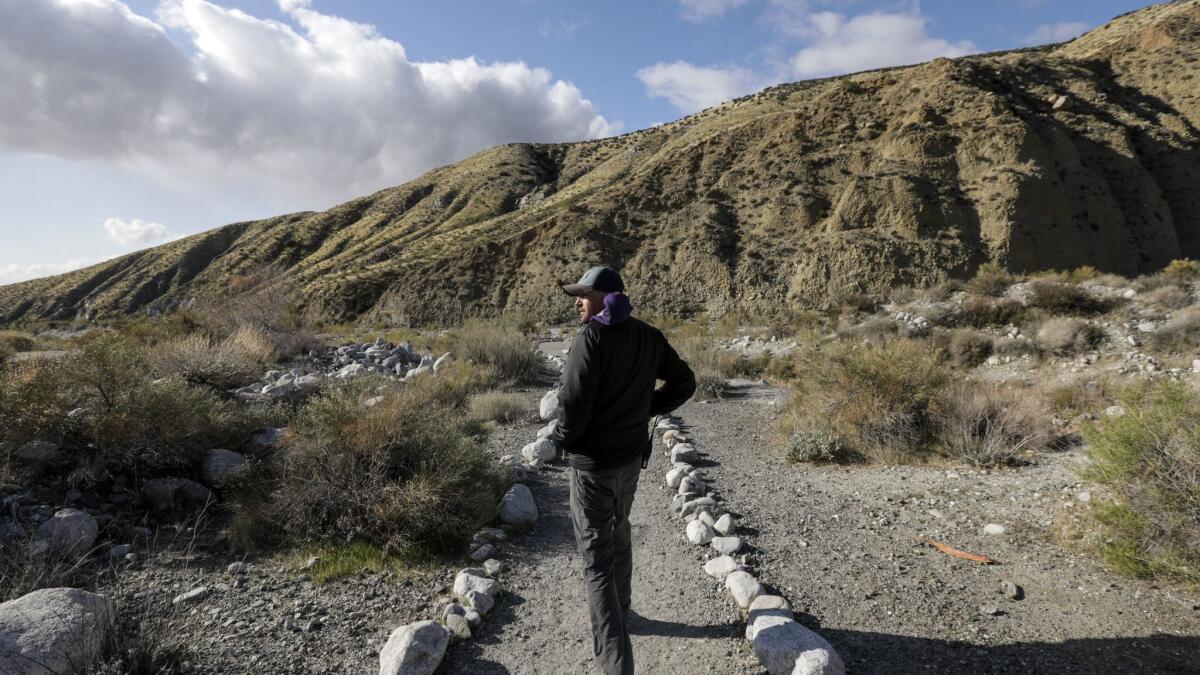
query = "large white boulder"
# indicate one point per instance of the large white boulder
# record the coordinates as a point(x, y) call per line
point(548, 407)
point(721, 567)
point(414, 649)
point(54, 630)
point(542, 450)
point(699, 533)
point(70, 533)
point(784, 647)
point(517, 506)
point(684, 452)
point(475, 579)
point(220, 465)
point(743, 587)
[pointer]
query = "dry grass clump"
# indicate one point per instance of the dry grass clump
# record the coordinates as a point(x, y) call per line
point(1180, 334)
point(713, 367)
point(853, 302)
point(1170, 296)
point(897, 402)
point(407, 475)
point(874, 329)
point(990, 425)
point(1150, 458)
point(504, 351)
point(982, 312)
point(1064, 298)
point(1013, 347)
point(991, 280)
point(1078, 397)
point(261, 300)
point(112, 417)
point(876, 397)
point(500, 406)
point(233, 362)
point(1183, 269)
point(969, 348)
point(1066, 336)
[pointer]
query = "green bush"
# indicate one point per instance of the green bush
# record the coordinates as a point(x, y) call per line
point(1180, 334)
point(407, 475)
point(1065, 336)
point(1149, 458)
point(983, 312)
point(1183, 270)
point(815, 446)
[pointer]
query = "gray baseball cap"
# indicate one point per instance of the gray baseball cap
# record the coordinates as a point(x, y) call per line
point(604, 279)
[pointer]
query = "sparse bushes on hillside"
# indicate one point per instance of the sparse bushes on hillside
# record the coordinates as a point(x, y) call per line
point(815, 446)
point(990, 425)
point(1064, 298)
point(1181, 333)
point(969, 348)
point(406, 474)
point(990, 280)
point(1170, 296)
point(500, 406)
point(982, 312)
point(504, 351)
point(1065, 336)
point(1150, 458)
point(1183, 270)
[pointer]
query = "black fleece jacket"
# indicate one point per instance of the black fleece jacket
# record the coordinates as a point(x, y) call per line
point(607, 394)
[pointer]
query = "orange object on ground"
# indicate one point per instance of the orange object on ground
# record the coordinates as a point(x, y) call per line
point(950, 550)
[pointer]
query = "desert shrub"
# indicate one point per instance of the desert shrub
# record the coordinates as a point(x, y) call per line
point(969, 348)
point(12, 342)
point(504, 351)
point(876, 328)
point(703, 356)
point(407, 474)
point(710, 385)
point(232, 362)
point(1150, 458)
point(1168, 297)
point(982, 312)
point(1014, 347)
point(1065, 336)
point(1082, 274)
point(901, 295)
point(263, 300)
point(139, 642)
point(815, 446)
point(876, 397)
point(852, 302)
point(499, 406)
point(1181, 333)
point(942, 291)
point(1182, 270)
point(112, 417)
point(991, 279)
point(1074, 398)
point(989, 425)
point(1064, 298)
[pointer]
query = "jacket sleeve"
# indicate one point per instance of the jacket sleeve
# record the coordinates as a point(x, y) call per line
point(577, 394)
point(678, 383)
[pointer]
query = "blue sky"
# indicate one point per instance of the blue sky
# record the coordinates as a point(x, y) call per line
point(129, 124)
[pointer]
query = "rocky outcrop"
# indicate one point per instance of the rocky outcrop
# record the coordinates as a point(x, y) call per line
point(53, 630)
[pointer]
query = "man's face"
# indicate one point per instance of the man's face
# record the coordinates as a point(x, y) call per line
point(589, 305)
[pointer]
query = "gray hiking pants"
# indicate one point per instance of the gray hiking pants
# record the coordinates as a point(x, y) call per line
point(600, 503)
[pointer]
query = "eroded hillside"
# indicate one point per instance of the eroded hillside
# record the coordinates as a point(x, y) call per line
point(1083, 153)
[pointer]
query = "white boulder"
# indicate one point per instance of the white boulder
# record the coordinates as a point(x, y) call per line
point(53, 630)
point(727, 545)
point(725, 525)
point(542, 449)
point(699, 533)
point(719, 568)
point(784, 647)
point(475, 579)
point(684, 452)
point(743, 587)
point(517, 506)
point(548, 407)
point(414, 649)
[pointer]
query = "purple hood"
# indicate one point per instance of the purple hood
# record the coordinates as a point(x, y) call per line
point(617, 308)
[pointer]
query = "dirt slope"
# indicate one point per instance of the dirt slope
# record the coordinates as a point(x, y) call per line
point(1083, 153)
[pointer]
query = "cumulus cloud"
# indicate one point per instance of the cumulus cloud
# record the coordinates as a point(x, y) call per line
point(11, 274)
point(317, 105)
point(135, 232)
point(690, 88)
point(1048, 33)
point(701, 10)
point(838, 44)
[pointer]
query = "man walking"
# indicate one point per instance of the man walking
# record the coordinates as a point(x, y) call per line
point(607, 397)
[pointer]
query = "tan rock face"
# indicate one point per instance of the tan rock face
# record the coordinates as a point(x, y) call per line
point(789, 197)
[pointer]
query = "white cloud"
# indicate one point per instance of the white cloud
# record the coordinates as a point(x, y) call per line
point(135, 232)
point(690, 88)
point(701, 10)
point(11, 274)
point(838, 44)
point(317, 108)
point(1048, 33)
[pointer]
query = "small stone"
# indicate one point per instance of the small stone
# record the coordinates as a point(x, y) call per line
point(743, 587)
point(675, 476)
point(194, 595)
point(699, 533)
point(727, 545)
point(483, 553)
point(492, 566)
point(480, 602)
point(236, 568)
point(719, 568)
point(1011, 590)
point(1114, 411)
point(548, 406)
point(725, 525)
point(458, 626)
point(475, 579)
point(994, 529)
point(540, 450)
point(989, 610)
point(517, 506)
point(684, 452)
point(414, 649)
